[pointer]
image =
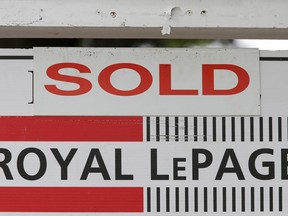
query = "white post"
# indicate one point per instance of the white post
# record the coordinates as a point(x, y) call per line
point(144, 19)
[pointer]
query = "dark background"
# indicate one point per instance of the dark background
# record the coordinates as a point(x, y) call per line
point(30, 43)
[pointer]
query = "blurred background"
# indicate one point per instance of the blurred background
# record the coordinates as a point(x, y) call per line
point(29, 43)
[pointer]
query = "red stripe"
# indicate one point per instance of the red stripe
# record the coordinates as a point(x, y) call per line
point(70, 128)
point(71, 199)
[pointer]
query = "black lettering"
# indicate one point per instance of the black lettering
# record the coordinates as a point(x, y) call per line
point(63, 163)
point(229, 153)
point(270, 165)
point(196, 163)
point(118, 167)
point(4, 162)
point(284, 164)
point(154, 172)
point(42, 167)
point(176, 169)
point(95, 153)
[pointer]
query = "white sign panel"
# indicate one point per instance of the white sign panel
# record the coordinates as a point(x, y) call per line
point(142, 165)
point(147, 81)
point(144, 178)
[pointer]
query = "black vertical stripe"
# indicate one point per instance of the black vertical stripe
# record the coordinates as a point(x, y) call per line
point(148, 129)
point(252, 199)
point(186, 128)
point(214, 128)
point(167, 199)
point(242, 123)
point(204, 129)
point(223, 129)
point(186, 199)
point(269, 196)
point(279, 136)
point(279, 129)
point(177, 199)
point(158, 198)
point(148, 199)
point(233, 129)
point(271, 199)
point(167, 128)
point(270, 129)
point(176, 129)
point(243, 199)
point(224, 196)
point(157, 128)
point(261, 199)
point(214, 199)
point(205, 199)
point(233, 199)
point(195, 129)
point(252, 129)
point(33, 91)
point(280, 199)
point(261, 129)
point(195, 199)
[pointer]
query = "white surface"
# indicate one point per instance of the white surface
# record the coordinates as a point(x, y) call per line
point(186, 73)
point(136, 156)
point(142, 19)
point(263, 44)
point(136, 161)
point(16, 83)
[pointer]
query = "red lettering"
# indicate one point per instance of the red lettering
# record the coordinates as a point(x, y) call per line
point(84, 84)
point(208, 79)
point(165, 83)
point(146, 79)
point(105, 82)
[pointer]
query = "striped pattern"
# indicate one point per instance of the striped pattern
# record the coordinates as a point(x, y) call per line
point(214, 199)
point(216, 129)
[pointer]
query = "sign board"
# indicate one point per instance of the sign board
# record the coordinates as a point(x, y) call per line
point(148, 81)
point(162, 19)
point(142, 165)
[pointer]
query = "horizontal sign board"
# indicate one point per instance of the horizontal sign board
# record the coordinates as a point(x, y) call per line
point(146, 81)
point(146, 177)
point(141, 165)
